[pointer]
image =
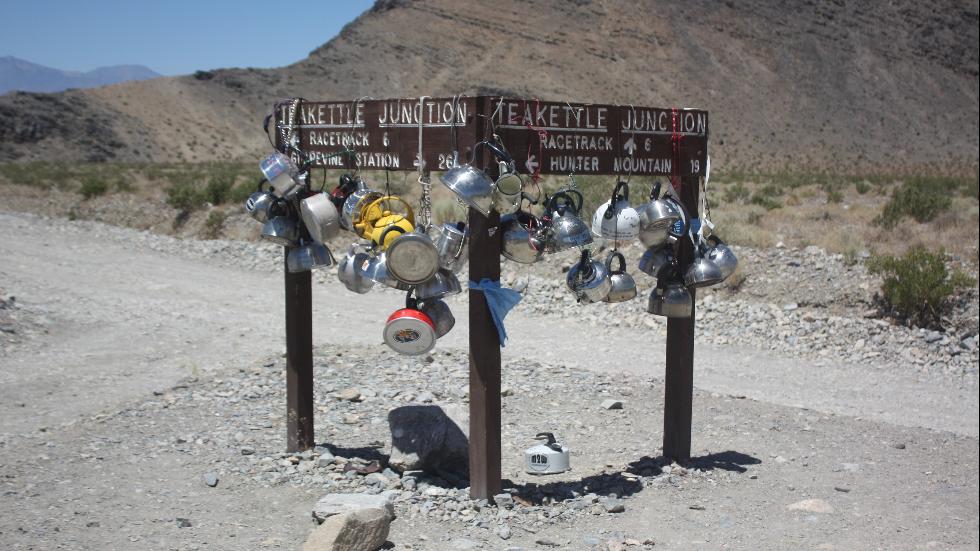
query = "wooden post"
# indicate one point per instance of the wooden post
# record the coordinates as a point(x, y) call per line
point(299, 359)
point(679, 377)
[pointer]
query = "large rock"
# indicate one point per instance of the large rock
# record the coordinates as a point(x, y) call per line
point(430, 438)
point(338, 504)
point(358, 530)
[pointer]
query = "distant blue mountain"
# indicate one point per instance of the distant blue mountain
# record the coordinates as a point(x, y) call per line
point(18, 74)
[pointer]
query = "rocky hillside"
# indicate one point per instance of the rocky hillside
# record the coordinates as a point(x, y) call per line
point(799, 85)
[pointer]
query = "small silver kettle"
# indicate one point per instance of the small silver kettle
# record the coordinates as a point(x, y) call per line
point(622, 285)
point(588, 279)
point(722, 255)
point(566, 229)
point(657, 216)
point(671, 300)
point(549, 457)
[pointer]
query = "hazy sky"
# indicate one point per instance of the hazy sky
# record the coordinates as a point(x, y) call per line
point(171, 37)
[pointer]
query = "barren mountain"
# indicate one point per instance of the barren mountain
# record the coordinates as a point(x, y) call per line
point(801, 84)
point(19, 74)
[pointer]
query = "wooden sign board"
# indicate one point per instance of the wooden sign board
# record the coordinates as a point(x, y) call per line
point(542, 136)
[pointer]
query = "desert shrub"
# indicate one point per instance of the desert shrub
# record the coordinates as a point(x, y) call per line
point(240, 193)
point(93, 186)
point(185, 196)
point(917, 286)
point(214, 223)
point(834, 196)
point(736, 192)
point(218, 189)
point(917, 199)
point(862, 187)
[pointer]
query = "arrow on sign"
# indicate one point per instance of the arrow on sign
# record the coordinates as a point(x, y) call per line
point(531, 164)
point(630, 146)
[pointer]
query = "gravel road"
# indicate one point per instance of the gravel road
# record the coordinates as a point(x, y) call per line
point(117, 320)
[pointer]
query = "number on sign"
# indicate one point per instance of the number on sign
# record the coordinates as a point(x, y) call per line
point(695, 166)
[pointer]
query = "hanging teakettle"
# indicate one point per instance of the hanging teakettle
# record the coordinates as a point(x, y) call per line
point(657, 217)
point(588, 279)
point(410, 331)
point(566, 229)
point(320, 216)
point(262, 204)
point(615, 220)
point(350, 271)
point(622, 287)
point(722, 255)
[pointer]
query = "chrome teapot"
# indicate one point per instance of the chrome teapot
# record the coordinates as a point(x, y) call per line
point(588, 279)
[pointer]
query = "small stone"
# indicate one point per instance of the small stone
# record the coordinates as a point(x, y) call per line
point(349, 395)
point(843, 489)
point(425, 398)
point(504, 500)
point(503, 532)
point(547, 542)
point(211, 479)
point(811, 506)
point(506, 391)
point(408, 482)
point(248, 451)
point(326, 459)
point(899, 445)
point(614, 505)
point(612, 404)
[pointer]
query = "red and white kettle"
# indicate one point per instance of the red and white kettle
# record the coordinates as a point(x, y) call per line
point(410, 331)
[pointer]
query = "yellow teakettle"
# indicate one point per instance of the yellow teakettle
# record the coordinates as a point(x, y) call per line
point(381, 224)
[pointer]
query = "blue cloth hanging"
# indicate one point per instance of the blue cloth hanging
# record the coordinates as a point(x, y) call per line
point(500, 300)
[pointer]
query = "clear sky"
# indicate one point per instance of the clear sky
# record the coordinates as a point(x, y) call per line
point(171, 37)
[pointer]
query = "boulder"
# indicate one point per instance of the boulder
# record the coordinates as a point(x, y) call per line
point(357, 530)
point(430, 438)
point(338, 504)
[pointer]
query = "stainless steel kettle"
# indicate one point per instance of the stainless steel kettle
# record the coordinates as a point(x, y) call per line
point(655, 260)
point(262, 204)
point(308, 256)
point(671, 300)
point(702, 272)
point(622, 286)
point(588, 279)
point(524, 238)
point(565, 229)
point(350, 271)
point(656, 217)
point(722, 255)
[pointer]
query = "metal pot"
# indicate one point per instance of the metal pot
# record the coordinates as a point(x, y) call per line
point(283, 175)
point(566, 229)
point(440, 314)
point(412, 257)
point(588, 279)
point(320, 217)
point(307, 257)
point(615, 220)
point(671, 300)
point(657, 217)
point(507, 190)
point(355, 202)
point(443, 283)
point(410, 331)
point(281, 230)
point(472, 185)
point(722, 255)
point(622, 286)
point(376, 269)
point(452, 241)
point(654, 261)
point(262, 204)
point(350, 271)
point(524, 238)
point(702, 272)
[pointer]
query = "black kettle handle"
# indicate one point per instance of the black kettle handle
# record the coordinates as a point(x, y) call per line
point(616, 197)
point(499, 151)
point(553, 201)
point(622, 263)
point(384, 233)
point(578, 194)
point(262, 181)
point(410, 301)
point(655, 191)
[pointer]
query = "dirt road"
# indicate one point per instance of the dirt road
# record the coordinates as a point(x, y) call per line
point(127, 314)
